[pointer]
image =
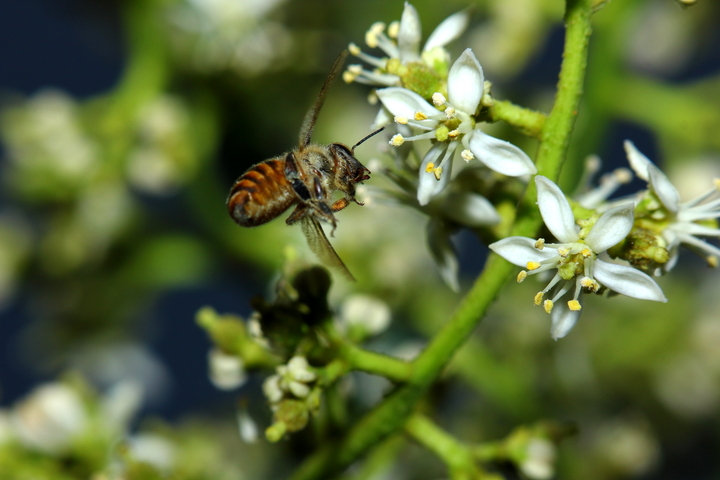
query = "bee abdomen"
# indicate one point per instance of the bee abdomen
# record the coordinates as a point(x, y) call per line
point(260, 194)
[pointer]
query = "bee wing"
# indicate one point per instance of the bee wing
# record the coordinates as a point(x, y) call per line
point(312, 115)
point(321, 247)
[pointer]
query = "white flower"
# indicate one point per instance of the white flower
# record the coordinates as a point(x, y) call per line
point(575, 257)
point(227, 372)
point(402, 44)
point(49, 418)
point(680, 223)
point(368, 314)
point(291, 378)
point(450, 125)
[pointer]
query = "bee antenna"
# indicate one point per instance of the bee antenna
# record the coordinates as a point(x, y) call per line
point(367, 137)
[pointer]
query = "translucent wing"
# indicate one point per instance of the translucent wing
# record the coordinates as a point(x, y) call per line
point(321, 247)
point(312, 115)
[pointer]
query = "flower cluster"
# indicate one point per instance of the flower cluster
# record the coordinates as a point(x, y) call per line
point(436, 105)
point(576, 258)
point(291, 379)
point(645, 231)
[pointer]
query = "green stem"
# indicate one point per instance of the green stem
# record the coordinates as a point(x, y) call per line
point(375, 363)
point(529, 122)
point(457, 457)
point(391, 414)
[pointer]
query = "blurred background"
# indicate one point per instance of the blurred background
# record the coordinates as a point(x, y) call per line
point(123, 124)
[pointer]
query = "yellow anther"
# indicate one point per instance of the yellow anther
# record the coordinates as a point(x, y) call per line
point(587, 282)
point(712, 261)
point(420, 116)
point(467, 155)
point(394, 29)
point(430, 167)
point(438, 173)
point(563, 251)
point(348, 76)
point(574, 305)
point(450, 112)
point(371, 36)
point(397, 140)
point(533, 265)
point(716, 182)
point(538, 298)
point(540, 243)
point(356, 69)
point(373, 98)
point(586, 252)
point(438, 99)
point(354, 49)
point(623, 175)
point(453, 133)
point(401, 120)
point(521, 276)
point(548, 306)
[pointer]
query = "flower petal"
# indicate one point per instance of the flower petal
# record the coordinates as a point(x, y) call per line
point(450, 29)
point(663, 188)
point(428, 185)
point(470, 209)
point(627, 281)
point(499, 155)
point(444, 253)
point(404, 102)
point(555, 210)
point(563, 319)
point(638, 162)
point(382, 119)
point(611, 228)
point(466, 83)
point(409, 35)
point(521, 250)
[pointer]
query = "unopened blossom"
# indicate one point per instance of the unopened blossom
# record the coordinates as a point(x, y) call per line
point(405, 64)
point(292, 378)
point(450, 124)
point(227, 372)
point(575, 259)
point(679, 223)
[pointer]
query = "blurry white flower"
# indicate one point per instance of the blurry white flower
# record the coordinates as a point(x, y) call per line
point(247, 427)
point(153, 449)
point(627, 447)
point(49, 418)
point(50, 151)
point(688, 387)
point(402, 47)
point(679, 223)
point(539, 462)
point(366, 313)
point(575, 258)
point(227, 372)
point(450, 125)
point(292, 378)
point(228, 34)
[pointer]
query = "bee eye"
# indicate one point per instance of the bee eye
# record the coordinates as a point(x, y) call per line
point(318, 187)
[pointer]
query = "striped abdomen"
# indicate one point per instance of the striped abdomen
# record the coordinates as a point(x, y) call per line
point(261, 194)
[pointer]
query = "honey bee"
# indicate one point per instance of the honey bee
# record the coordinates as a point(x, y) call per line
point(306, 177)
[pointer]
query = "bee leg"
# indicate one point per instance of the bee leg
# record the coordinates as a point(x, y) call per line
point(300, 211)
point(340, 204)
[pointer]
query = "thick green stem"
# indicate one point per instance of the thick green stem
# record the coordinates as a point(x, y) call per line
point(392, 413)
